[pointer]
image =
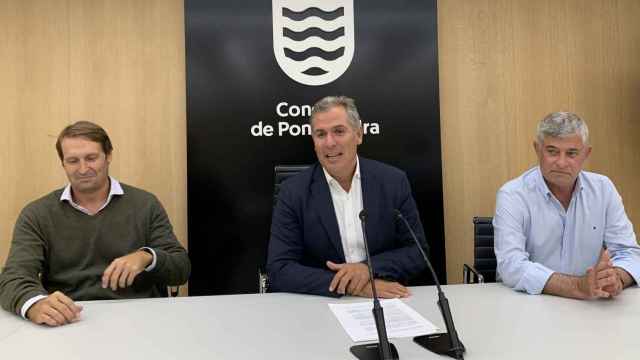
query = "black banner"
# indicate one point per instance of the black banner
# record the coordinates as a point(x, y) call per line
point(254, 69)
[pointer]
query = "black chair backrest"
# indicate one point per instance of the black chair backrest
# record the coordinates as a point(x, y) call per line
point(484, 256)
point(281, 173)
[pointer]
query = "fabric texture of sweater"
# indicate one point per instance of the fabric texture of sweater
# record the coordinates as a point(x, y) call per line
point(58, 248)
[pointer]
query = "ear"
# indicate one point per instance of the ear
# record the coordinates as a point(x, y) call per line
point(587, 152)
point(359, 135)
point(108, 158)
point(537, 147)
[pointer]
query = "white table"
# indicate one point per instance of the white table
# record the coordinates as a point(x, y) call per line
point(493, 321)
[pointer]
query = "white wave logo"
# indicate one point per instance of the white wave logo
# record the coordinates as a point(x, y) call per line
point(313, 40)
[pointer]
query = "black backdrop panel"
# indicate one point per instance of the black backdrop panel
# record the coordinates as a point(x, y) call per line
point(234, 88)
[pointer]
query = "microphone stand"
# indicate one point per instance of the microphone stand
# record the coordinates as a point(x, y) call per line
point(383, 350)
point(441, 343)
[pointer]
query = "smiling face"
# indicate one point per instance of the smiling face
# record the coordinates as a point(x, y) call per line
point(86, 165)
point(336, 142)
point(561, 160)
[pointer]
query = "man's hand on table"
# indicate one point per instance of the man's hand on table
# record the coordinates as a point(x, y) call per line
point(350, 278)
point(54, 310)
point(385, 289)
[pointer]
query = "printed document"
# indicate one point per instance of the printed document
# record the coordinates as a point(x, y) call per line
point(400, 320)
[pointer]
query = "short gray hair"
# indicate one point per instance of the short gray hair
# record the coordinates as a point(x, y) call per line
point(562, 124)
point(327, 103)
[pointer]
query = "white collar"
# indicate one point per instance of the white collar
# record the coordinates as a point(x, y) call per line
point(114, 189)
point(331, 180)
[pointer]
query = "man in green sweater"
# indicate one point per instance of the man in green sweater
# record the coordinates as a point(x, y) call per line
point(94, 239)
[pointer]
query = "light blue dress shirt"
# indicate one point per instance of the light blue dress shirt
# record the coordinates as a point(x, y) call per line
point(534, 236)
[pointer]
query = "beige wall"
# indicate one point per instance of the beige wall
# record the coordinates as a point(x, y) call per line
point(503, 66)
point(118, 63)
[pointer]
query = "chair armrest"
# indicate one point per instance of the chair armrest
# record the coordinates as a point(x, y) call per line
point(471, 275)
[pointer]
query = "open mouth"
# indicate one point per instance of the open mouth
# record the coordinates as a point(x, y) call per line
point(333, 156)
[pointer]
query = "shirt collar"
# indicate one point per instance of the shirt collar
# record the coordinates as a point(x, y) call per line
point(114, 189)
point(542, 185)
point(331, 180)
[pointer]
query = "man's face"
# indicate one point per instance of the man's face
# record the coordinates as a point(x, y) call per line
point(561, 159)
point(335, 141)
point(85, 163)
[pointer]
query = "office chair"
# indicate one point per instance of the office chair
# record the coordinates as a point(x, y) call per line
point(281, 173)
point(484, 257)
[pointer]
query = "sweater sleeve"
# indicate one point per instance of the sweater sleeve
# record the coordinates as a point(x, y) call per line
point(20, 278)
point(172, 262)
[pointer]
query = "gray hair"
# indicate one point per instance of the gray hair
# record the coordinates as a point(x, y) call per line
point(327, 103)
point(562, 124)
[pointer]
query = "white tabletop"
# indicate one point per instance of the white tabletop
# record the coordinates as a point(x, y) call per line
point(493, 321)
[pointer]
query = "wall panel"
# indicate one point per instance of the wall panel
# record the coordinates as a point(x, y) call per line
point(34, 75)
point(503, 66)
point(118, 63)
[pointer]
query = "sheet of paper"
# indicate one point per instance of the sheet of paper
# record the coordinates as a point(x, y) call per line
point(400, 320)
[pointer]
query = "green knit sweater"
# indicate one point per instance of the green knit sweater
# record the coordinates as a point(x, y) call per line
point(56, 247)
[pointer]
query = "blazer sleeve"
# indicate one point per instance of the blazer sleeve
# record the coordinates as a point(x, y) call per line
point(404, 260)
point(286, 251)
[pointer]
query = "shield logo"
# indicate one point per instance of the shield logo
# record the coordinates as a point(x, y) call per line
point(313, 40)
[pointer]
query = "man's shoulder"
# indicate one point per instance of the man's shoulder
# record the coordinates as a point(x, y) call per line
point(379, 169)
point(595, 178)
point(303, 179)
point(136, 194)
point(44, 203)
point(597, 184)
point(524, 183)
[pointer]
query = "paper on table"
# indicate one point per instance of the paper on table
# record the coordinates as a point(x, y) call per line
point(400, 320)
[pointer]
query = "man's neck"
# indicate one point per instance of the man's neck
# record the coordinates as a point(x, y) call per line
point(345, 184)
point(345, 180)
point(563, 194)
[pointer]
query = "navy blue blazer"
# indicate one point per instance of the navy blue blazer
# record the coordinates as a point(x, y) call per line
point(305, 234)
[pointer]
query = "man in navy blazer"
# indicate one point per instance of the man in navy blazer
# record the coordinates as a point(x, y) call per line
point(316, 244)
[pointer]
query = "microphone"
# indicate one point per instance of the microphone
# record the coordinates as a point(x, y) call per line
point(383, 350)
point(442, 343)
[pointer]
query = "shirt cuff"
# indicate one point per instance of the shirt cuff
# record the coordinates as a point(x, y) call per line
point(534, 279)
point(631, 267)
point(153, 262)
point(28, 304)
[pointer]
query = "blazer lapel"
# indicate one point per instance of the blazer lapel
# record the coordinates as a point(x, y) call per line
point(370, 200)
point(321, 200)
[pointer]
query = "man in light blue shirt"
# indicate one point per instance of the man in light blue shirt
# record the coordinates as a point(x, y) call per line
point(560, 230)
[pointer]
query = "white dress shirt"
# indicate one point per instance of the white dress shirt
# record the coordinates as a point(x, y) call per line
point(347, 206)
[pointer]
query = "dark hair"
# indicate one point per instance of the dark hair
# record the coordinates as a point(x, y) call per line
point(87, 130)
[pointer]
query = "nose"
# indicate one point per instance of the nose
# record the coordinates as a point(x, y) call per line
point(562, 160)
point(83, 167)
point(330, 141)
